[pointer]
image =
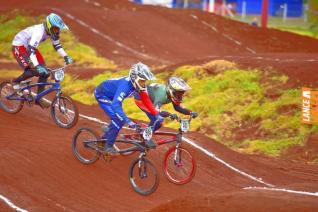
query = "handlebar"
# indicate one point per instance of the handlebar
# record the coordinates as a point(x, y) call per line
point(177, 118)
point(57, 69)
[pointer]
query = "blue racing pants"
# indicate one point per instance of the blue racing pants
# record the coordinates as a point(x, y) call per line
point(115, 123)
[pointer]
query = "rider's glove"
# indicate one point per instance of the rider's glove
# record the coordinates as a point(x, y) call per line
point(68, 60)
point(159, 118)
point(173, 116)
point(41, 70)
point(164, 114)
point(132, 124)
point(194, 114)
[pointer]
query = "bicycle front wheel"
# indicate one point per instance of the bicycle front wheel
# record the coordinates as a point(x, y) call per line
point(143, 176)
point(85, 146)
point(64, 112)
point(9, 105)
point(179, 165)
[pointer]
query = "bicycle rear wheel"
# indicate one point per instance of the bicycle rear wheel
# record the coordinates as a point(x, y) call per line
point(179, 165)
point(85, 146)
point(9, 106)
point(64, 112)
point(143, 176)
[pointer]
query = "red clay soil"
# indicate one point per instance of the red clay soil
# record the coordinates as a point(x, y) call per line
point(40, 173)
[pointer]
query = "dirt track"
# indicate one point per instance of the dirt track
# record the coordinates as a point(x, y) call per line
point(39, 172)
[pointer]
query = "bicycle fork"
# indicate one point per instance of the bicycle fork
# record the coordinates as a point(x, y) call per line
point(61, 103)
point(177, 156)
point(142, 166)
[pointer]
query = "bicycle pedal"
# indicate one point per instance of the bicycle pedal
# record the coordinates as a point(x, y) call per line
point(108, 157)
point(30, 103)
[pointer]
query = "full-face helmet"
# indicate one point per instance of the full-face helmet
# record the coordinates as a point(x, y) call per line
point(53, 24)
point(176, 88)
point(138, 75)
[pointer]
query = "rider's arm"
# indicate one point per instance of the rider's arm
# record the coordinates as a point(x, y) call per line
point(120, 95)
point(58, 47)
point(181, 109)
point(147, 102)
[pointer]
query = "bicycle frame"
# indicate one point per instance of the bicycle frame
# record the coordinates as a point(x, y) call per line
point(55, 87)
point(137, 146)
point(172, 137)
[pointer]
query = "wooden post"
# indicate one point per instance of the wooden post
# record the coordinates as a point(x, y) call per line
point(264, 13)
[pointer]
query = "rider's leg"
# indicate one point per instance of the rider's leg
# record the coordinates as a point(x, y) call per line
point(42, 77)
point(21, 54)
point(114, 127)
point(113, 130)
point(28, 73)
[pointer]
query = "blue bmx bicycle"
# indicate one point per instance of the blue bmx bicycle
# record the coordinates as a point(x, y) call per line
point(63, 110)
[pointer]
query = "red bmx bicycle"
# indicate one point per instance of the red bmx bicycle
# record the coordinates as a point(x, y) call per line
point(179, 165)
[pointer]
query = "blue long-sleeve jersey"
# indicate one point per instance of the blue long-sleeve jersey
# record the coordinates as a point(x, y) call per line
point(115, 91)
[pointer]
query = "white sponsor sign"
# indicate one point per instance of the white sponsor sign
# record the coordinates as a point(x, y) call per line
point(165, 3)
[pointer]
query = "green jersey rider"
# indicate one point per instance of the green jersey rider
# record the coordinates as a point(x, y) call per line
point(164, 94)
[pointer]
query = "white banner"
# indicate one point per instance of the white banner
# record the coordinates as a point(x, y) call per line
point(165, 3)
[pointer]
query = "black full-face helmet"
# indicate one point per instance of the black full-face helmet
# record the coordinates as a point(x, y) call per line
point(176, 88)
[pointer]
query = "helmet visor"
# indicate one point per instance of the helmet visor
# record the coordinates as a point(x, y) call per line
point(55, 30)
point(178, 95)
point(141, 84)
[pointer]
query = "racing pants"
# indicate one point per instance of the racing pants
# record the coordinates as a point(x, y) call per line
point(115, 123)
point(22, 56)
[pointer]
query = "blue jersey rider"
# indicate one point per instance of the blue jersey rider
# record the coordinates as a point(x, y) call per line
point(24, 49)
point(111, 93)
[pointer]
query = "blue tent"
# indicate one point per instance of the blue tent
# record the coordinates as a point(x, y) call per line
point(295, 7)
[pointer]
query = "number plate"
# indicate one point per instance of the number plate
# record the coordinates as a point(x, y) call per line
point(147, 133)
point(184, 125)
point(59, 75)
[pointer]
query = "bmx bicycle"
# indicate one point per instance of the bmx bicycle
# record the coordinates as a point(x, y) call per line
point(87, 147)
point(179, 165)
point(63, 110)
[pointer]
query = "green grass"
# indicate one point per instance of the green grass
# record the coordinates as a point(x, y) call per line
point(83, 55)
point(268, 147)
point(9, 74)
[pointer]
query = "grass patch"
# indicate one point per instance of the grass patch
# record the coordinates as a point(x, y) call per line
point(268, 147)
point(8, 74)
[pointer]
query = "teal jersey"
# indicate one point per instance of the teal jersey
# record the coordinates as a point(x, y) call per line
point(158, 94)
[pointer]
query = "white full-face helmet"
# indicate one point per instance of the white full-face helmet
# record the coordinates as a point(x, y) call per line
point(176, 88)
point(138, 75)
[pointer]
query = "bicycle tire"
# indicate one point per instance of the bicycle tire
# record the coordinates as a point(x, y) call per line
point(185, 172)
point(134, 166)
point(11, 106)
point(66, 111)
point(92, 135)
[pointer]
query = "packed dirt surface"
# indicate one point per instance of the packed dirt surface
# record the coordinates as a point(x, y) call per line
point(40, 173)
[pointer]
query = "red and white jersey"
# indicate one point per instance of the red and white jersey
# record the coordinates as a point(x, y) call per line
point(33, 36)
